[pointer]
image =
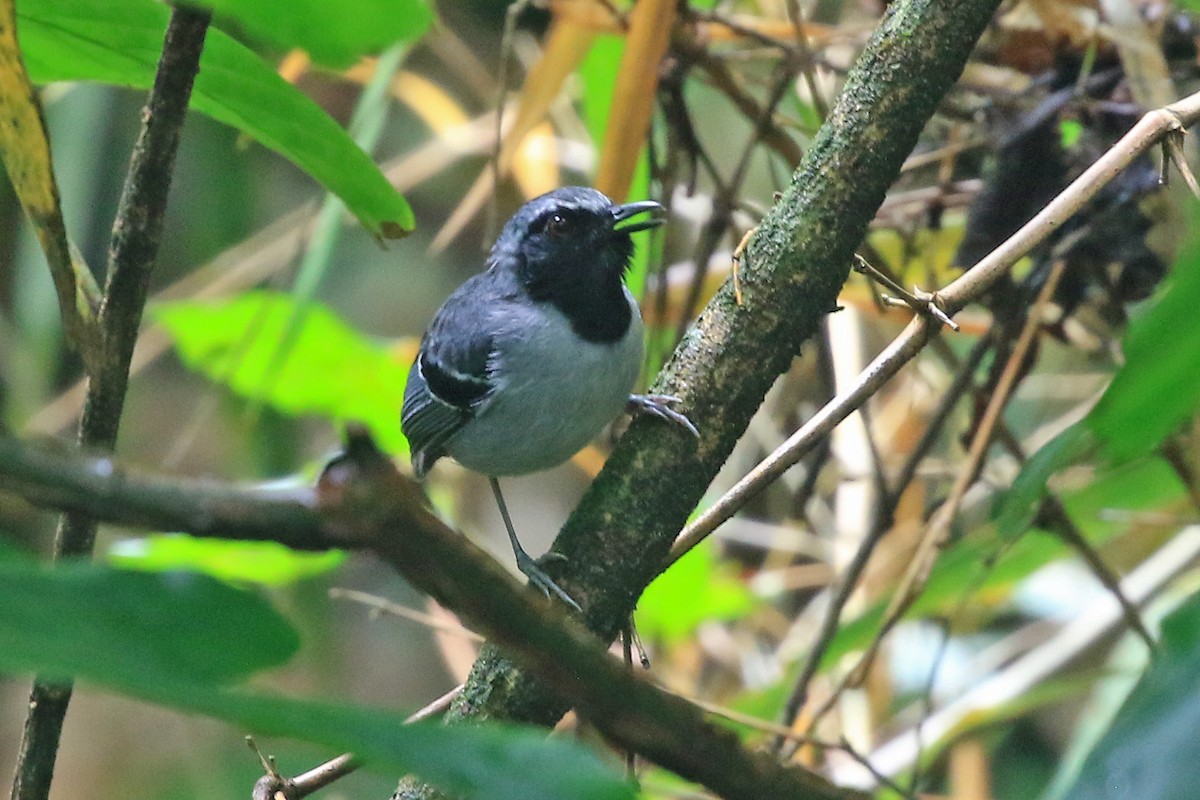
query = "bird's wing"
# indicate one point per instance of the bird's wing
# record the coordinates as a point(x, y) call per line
point(448, 382)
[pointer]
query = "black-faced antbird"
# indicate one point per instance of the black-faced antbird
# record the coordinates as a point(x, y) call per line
point(526, 362)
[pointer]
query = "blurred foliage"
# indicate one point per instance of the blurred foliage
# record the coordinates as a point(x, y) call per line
point(234, 342)
point(177, 627)
point(698, 589)
point(1151, 745)
point(262, 563)
point(323, 29)
point(987, 566)
point(118, 42)
point(266, 363)
point(174, 638)
point(1150, 397)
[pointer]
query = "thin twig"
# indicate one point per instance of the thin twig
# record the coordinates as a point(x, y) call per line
point(938, 531)
point(805, 54)
point(322, 775)
point(927, 699)
point(136, 235)
point(796, 737)
point(963, 380)
point(1174, 454)
point(710, 236)
point(732, 23)
point(723, 81)
point(899, 352)
point(883, 523)
point(361, 502)
point(963, 290)
point(1055, 517)
point(382, 605)
point(1174, 145)
point(272, 785)
point(723, 202)
point(921, 304)
point(758, 724)
point(866, 764)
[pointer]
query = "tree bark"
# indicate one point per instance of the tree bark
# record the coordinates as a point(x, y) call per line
point(617, 540)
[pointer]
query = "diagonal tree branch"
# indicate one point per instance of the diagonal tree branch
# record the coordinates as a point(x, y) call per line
point(136, 234)
point(617, 541)
point(362, 502)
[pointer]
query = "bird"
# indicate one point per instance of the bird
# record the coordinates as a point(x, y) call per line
point(527, 361)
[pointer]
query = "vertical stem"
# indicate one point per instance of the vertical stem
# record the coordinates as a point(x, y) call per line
point(135, 240)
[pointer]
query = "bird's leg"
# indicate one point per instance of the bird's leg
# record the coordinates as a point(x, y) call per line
point(659, 405)
point(525, 562)
point(630, 642)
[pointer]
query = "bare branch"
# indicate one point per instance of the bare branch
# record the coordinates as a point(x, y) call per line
point(362, 502)
point(883, 523)
point(1151, 129)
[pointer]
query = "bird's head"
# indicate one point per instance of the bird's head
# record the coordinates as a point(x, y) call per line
point(571, 240)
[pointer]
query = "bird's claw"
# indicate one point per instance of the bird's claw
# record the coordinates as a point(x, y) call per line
point(659, 405)
point(538, 577)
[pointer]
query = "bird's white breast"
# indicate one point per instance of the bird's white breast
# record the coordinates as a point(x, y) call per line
point(554, 392)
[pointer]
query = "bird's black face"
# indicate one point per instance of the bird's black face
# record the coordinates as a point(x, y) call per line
point(571, 247)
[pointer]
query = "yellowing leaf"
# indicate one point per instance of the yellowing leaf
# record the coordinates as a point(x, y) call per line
point(25, 149)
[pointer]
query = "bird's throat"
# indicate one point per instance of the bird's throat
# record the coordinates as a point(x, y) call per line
point(598, 313)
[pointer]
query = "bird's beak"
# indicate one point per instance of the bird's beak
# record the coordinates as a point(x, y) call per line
point(622, 213)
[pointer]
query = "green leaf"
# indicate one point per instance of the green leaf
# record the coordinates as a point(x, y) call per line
point(332, 370)
point(1016, 507)
point(1069, 131)
point(989, 563)
point(262, 563)
point(1159, 386)
point(107, 624)
point(170, 638)
point(476, 762)
point(696, 589)
point(1149, 397)
point(1150, 750)
point(119, 42)
point(333, 32)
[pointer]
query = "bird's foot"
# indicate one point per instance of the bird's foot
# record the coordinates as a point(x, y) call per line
point(659, 405)
point(538, 577)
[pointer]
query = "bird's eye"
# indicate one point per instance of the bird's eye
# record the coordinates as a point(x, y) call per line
point(557, 226)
